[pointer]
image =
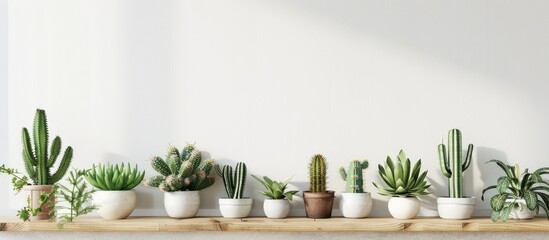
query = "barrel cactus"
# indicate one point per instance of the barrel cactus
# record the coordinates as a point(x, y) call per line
point(181, 171)
point(317, 174)
point(353, 176)
point(452, 163)
point(35, 156)
point(234, 184)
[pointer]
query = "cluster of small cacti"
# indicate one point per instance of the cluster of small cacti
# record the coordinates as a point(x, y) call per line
point(317, 174)
point(234, 184)
point(452, 163)
point(353, 176)
point(114, 177)
point(36, 158)
point(183, 171)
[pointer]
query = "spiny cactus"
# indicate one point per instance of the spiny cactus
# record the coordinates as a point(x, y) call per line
point(234, 186)
point(182, 171)
point(317, 174)
point(452, 164)
point(353, 176)
point(36, 158)
point(114, 177)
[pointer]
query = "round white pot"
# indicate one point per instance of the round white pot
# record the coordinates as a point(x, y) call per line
point(355, 205)
point(522, 214)
point(115, 204)
point(456, 208)
point(235, 208)
point(277, 208)
point(182, 204)
point(404, 207)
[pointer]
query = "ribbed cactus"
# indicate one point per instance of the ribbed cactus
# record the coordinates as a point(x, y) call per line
point(452, 163)
point(234, 184)
point(36, 158)
point(353, 176)
point(317, 174)
point(183, 171)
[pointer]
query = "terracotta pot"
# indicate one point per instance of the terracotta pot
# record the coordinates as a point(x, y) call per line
point(318, 205)
point(34, 192)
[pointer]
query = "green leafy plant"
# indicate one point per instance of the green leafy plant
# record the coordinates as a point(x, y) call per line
point(45, 199)
point(353, 176)
point(114, 177)
point(452, 163)
point(183, 171)
point(234, 184)
point(36, 158)
point(73, 200)
point(274, 189)
point(401, 180)
point(515, 186)
point(18, 180)
point(317, 174)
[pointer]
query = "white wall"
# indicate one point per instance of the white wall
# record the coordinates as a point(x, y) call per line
point(272, 82)
point(4, 181)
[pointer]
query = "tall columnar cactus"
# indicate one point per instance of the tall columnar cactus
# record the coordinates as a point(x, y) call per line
point(183, 171)
point(452, 163)
point(353, 176)
point(317, 174)
point(234, 184)
point(36, 158)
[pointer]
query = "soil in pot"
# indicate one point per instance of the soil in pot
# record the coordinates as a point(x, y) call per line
point(34, 192)
point(318, 205)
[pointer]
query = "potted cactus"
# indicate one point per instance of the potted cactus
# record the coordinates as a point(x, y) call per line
point(404, 184)
point(277, 204)
point(182, 175)
point(318, 201)
point(38, 163)
point(235, 205)
point(355, 203)
point(116, 197)
point(452, 165)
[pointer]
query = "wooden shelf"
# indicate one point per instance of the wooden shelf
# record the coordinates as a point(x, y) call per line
point(164, 224)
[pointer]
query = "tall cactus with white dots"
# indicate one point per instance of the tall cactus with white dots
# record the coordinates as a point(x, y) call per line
point(452, 163)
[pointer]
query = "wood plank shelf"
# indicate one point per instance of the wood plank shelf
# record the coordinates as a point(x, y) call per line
point(259, 224)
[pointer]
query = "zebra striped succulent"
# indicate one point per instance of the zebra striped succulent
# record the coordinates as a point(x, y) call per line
point(452, 163)
point(234, 184)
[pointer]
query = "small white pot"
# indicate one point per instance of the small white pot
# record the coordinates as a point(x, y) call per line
point(517, 213)
point(404, 207)
point(115, 204)
point(355, 205)
point(235, 208)
point(182, 204)
point(456, 208)
point(277, 208)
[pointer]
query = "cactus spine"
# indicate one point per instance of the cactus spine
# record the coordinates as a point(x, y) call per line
point(353, 176)
point(181, 171)
point(452, 164)
point(317, 174)
point(38, 162)
point(234, 184)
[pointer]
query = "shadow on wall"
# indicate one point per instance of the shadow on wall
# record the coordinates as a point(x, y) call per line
point(468, 36)
point(485, 154)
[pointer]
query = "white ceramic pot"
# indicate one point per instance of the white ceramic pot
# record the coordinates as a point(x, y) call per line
point(277, 208)
point(522, 214)
point(115, 204)
point(182, 204)
point(235, 208)
point(456, 208)
point(404, 207)
point(355, 205)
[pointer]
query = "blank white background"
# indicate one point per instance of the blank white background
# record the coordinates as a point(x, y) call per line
point(271, 83)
